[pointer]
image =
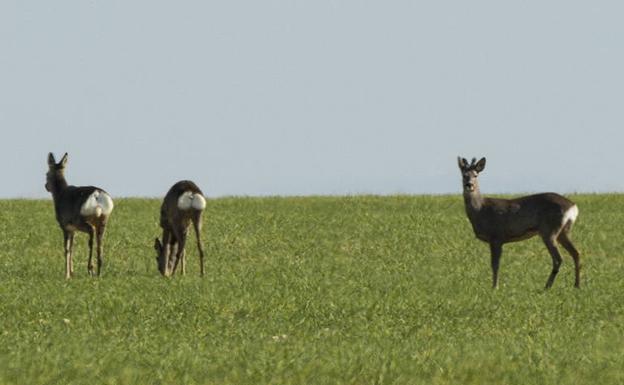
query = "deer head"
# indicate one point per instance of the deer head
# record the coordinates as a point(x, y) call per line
point(55, 172)
point(470, 172)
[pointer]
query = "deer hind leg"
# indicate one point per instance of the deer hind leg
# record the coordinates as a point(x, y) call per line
point(99, 235)
point(564, 240)
point(183, 262)
point(90, 263)
point(197, 227)
point(496, 250)
point(556, 258)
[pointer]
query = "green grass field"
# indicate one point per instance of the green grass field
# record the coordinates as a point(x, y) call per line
point(316, 290)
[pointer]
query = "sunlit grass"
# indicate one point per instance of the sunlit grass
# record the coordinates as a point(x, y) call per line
point(317, 290)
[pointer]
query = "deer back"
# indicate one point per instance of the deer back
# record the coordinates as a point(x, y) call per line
point(510, 220)
point(77, 206)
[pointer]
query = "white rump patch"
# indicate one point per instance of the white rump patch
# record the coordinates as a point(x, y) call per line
point(199, 203)
point(570, 215)
point(97, 203)
point(189, 200)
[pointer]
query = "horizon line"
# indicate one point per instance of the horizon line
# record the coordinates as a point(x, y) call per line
point(329, 195)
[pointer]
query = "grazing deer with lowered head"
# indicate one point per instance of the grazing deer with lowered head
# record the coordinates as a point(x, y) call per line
point(85, 209)
point(499, 221)
point(183, 205)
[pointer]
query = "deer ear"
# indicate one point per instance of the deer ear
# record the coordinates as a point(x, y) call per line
point(461, 162)
point(480, 165)
point(51, 160)
point(63, 161)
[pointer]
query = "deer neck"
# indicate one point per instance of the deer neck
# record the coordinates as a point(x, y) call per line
point(473, 201)
point(57, 185)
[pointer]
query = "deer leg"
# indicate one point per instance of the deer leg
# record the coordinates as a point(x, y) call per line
point(171, 251)
point(71, 253)
point(183, 262)
point(67, 236)
point(99, 234)
point(496, 250)
point(564, 240)
point(90, 263)
point(171, 256)
point(180, 252)
point(556, 259)
point(167, 245)
point(197, 227)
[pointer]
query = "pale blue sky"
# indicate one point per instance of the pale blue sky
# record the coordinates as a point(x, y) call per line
point(312, 97)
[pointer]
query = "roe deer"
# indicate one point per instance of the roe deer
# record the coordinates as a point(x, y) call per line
point(499, 221)
point(183, 205)
point(85, 209)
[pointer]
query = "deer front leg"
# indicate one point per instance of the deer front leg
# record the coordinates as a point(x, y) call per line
point(179, 258)
point(67, 242)
point(71, 252)
point(496, 250)
point(172, 251)
point(180, 253)
point(167, 244)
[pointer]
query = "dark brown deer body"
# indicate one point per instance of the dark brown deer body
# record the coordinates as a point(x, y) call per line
point(85, 209)
point(183, 205)
point(499, 221)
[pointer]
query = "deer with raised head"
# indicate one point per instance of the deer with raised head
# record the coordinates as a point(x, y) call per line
point(84, 208)
point(183, 205)
point(499, 221)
